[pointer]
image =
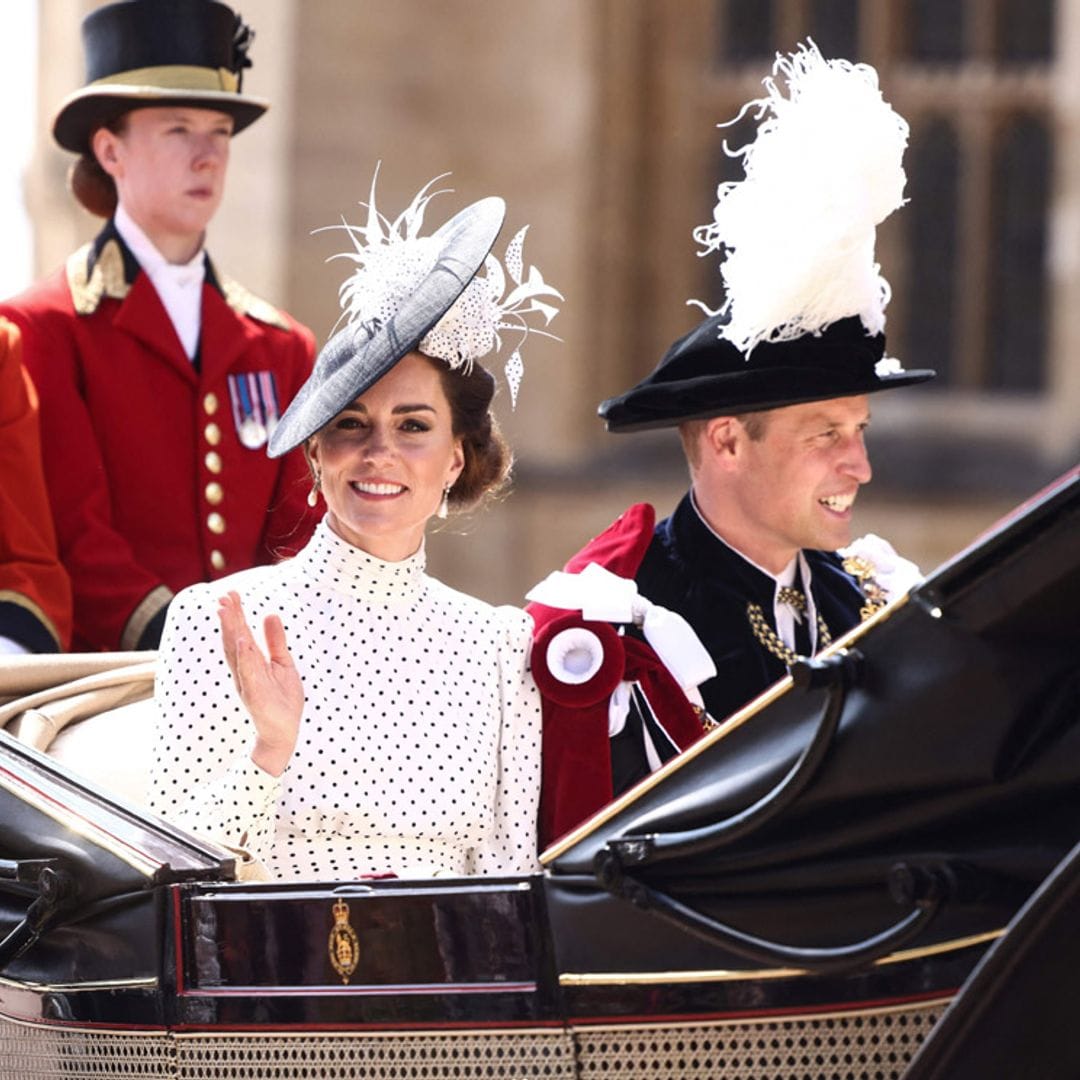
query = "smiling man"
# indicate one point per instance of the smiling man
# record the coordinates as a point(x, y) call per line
point(751, 555)
point(159, 379)
point(771, 397)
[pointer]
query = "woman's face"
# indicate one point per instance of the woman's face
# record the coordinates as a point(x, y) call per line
point(385, 460)
point(169, 165)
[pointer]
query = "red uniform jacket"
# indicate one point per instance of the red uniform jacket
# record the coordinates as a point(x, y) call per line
point(150, 484)
point(35, 594)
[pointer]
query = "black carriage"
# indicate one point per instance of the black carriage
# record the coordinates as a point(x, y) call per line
point(868, 872)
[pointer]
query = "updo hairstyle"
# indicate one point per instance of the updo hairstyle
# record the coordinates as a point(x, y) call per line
point(487, 455)
point(91, 185)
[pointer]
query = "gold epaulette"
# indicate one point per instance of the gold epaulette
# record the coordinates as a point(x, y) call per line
point(244, 302)
point(106, 279)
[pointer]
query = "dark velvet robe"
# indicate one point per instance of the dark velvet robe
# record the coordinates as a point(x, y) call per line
point(689, 570)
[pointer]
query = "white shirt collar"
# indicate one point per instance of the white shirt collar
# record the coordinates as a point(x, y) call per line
point(178, 285)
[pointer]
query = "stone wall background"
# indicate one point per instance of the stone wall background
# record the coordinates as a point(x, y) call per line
point(595, 120)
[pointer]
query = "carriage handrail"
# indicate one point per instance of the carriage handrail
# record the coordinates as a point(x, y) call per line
point(838, 673)
point(925, 885)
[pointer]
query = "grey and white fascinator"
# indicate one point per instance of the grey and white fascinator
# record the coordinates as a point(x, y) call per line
point(441, 294)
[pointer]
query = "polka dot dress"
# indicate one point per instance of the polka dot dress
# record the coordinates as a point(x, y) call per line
point(419, 747)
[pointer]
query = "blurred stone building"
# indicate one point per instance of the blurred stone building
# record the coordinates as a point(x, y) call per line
point(596, 119)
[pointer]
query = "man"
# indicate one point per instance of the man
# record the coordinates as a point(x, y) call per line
point(35, 594)
point(159, 378)
point(772, 411)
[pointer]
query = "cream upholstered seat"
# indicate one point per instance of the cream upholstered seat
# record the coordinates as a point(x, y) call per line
point(91, 712)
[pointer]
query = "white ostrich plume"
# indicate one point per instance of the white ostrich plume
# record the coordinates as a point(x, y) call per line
point(392, 258)
point(797, 234)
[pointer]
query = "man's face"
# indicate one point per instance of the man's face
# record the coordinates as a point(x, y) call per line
point(169, 164)
point(794, 487)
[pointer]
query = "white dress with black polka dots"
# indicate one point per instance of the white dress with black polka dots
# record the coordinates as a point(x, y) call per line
point(419, 747)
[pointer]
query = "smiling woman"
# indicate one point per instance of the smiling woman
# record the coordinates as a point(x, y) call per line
point(393, 725)
point(385, 461)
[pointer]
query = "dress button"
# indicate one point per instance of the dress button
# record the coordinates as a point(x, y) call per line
point(210, 404)
point(213, 461)
point(214, 493)
point(213, 434)
point(217, 560)
point(215, 523)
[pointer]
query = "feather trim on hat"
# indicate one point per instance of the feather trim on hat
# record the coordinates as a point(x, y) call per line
point(392, 258)
point(797, 234)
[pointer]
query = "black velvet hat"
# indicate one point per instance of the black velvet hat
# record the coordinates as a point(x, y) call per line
point(704, 374)
point(158, 52)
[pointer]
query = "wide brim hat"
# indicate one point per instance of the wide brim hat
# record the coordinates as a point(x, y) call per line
point(704, 375)
point(357, 356)
point(143, 53)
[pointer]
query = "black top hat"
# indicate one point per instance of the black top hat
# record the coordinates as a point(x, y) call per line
point(704, 374)
point(156, 52)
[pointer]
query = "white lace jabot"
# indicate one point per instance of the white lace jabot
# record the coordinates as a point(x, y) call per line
point(337, 565)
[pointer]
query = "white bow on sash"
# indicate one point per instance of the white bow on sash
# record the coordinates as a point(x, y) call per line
point(602, 596)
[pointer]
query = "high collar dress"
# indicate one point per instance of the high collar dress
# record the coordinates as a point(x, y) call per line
point(419, 747)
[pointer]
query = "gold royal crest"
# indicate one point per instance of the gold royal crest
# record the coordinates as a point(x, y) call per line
point(343, 945)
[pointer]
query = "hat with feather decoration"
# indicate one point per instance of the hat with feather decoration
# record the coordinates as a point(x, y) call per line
point(425, 293)
point(804, 311)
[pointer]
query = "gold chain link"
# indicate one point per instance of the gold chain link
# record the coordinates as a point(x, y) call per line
point(768, 637)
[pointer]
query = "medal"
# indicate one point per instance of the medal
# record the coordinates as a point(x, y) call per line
point(252, 433)
point(254, 400)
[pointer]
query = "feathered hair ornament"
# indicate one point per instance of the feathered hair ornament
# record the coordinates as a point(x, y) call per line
point(797, 234)
point(392, 257)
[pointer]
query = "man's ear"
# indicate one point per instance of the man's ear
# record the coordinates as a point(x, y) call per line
point(103, 145)
point(722, 440)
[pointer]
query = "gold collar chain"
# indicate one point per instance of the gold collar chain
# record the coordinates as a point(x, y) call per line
point(768, 637)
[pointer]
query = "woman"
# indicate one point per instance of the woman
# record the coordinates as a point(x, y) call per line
point(399, 730)
point(141, 324)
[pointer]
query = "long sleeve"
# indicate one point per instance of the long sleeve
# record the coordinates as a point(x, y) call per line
point(512, 847)
point(35, 594)
point(151, 483)
point(115, 595)
point(202, 777)
point(419, 745)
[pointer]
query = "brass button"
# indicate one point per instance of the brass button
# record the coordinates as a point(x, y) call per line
point(213, 461)
point(217, 560)
point(214, 493)
point(215, 523)
point(213, 434)
point(210, 404)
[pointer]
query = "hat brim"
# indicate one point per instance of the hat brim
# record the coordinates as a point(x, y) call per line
point(350, 362)
point(704, 375)
point(669, 405)
point(85, 110)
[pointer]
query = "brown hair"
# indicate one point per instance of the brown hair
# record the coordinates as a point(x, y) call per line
point(690, 432)
point(91, 185)
point(487, 455)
